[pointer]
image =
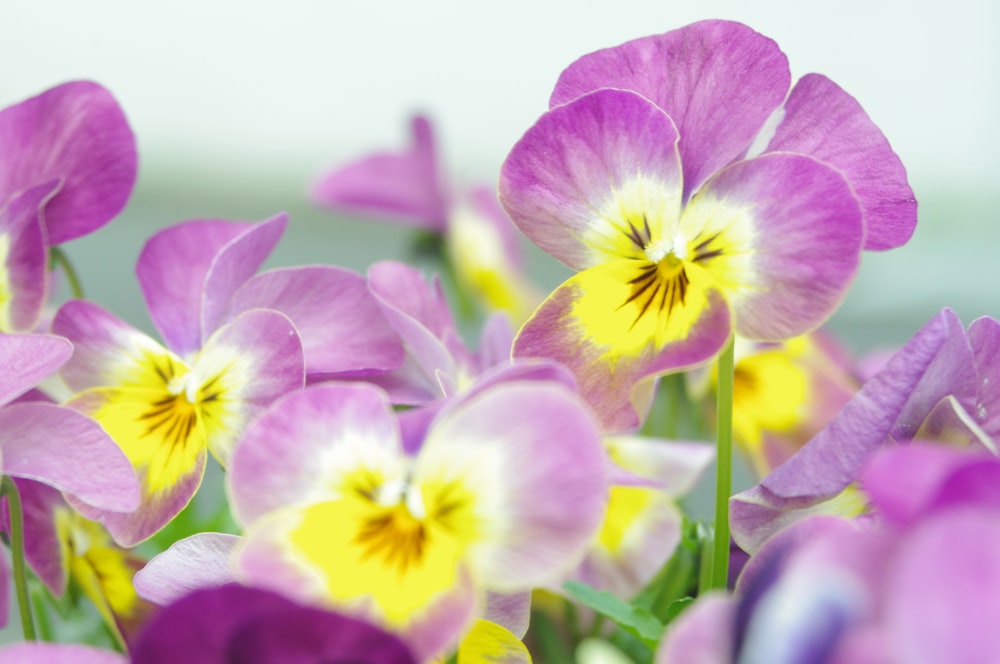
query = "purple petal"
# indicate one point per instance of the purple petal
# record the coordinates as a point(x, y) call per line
point(198, 561)
point(804, 248)
point(25, 270)
point(257, 627)
point(402, 186)
point(75, 132)
point(587, 170)
point(944, 590)
point(546, 500)
point(936, 362)
point(341, 326)
point(718, 80)
point(236, 262)
point(293, 452)
point(25, 359)
point(68, 451)
point(174, 265)
point(510, 611)
point(58, 653)
point(43, 544)
point(822, 121)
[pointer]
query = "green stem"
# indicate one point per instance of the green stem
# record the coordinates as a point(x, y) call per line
point(724, 469)
point(59, 257)
point(9, 490)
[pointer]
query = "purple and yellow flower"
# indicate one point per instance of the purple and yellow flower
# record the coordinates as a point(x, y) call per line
point(67, 166)
point(502, 494)
point(168, 406)
point(697, 197)
point(941, 385)
point(408, 187)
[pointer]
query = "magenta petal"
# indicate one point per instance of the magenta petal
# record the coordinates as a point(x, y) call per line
point(338, 320)
point(68, 451)
point(402, 186)
point(571, 167)
point(25, 269)
point(808, 233)
point(25, 359)
point(43, 546)
point(944, 590)
point(511, 611)
point(824, 122)
point(718, 80)
point(75, 132)
point(984, 338)
point(175, 265)
point(702, 634)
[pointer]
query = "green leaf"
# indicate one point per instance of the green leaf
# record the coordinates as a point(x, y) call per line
point(676, 607)
point(633, 619)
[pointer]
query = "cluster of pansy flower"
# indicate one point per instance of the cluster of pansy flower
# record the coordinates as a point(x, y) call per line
point(390, 494)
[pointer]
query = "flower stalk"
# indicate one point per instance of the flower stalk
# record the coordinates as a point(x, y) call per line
point(724, 468)
point(9, 490)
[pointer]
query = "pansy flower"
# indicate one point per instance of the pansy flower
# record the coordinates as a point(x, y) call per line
point(67, 167)
point(940, 386)
point(168, 406)
point(696, 197)
point(408, 187)
point(501, 494)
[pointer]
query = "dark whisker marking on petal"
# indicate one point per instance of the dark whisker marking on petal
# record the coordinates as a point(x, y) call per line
point(707, 255)
point(704, 243)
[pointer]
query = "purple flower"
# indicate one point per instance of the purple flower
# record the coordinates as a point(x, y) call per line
point(67, 166)
point(58, 653)
point(941, 385)
point(696, 197)
point(235, 624)
point(917, 581)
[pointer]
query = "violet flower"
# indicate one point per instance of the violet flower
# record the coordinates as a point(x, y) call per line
point(696, 197)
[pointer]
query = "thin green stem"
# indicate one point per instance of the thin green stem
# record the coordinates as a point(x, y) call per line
point(9, 490)
point(724, 468)
point(58, 257)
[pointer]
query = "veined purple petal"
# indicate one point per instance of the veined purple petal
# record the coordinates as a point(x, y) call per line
point(718, 80)
point(68, 451)
point(936, 362)
point(540, 502)
point(24, 274)
point(75, 132)
point(403, 186)
point(58, 653)
point(341, 325)
point(25, 359)
point(822, 121)
point(43, 546)
point(256, 626)
point(590, 175)
point(174, 265)
point(805, 235)
point(295, 451)
point(510, 611)
point(199, 561)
